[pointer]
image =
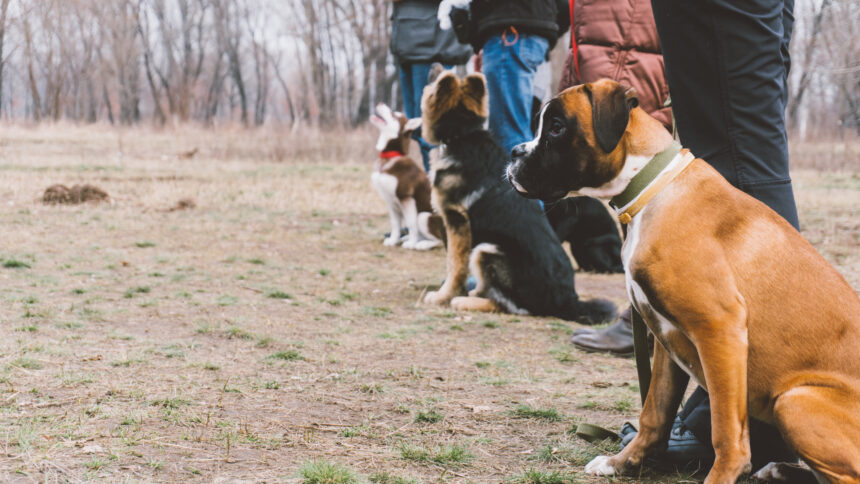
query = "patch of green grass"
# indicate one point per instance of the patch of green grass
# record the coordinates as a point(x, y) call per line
point(377, 311)
point(226, 300)
point(136, 290)
point(534, 476)
point(445, 455)
point(271, 385)
point(325, 472)
point(78, 290)
point(527, 411)
point(278, 295)
point(172, 403)
point(564, 354)
point(95, 464)
point(371, 388)
point(429, 417)
point(237, 332)
point(456, 327)
point(29, 328)
point(495, 382)
point(623, 404)
point(384, 477)
point(324, 272)
point(356, 431)
point(69, 325)
point(26, 363)
point(144, 244)
point(265, 341)
point(482, 364)
point(559, 326)
point(211, 366)
point(490, 324)
point(257, 261)
point(560, 452)
point(15, 264)
point(286, 355)
point(126, 362)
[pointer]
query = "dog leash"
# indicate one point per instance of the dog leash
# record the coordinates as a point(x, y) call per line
point(642, 357)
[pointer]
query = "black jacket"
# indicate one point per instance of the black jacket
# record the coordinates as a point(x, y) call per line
point(416, 36)
point(547, 18)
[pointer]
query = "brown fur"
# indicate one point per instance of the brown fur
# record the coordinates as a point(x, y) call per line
point(762, 320)
point(61, 194)
point(458, 238)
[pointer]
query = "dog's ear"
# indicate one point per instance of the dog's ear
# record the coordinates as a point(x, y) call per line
point(412, 125)
point(610, 110)
point(446, 86)
point(475, 88)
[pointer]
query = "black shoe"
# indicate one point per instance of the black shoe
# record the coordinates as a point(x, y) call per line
point(684, 452)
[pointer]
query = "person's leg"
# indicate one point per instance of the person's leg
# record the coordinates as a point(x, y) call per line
point(420, 73)
point(509, 65)
point(407, 88)
point(726, 63)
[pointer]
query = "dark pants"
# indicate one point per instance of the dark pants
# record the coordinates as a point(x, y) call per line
point(727, 64)
point(413, 78)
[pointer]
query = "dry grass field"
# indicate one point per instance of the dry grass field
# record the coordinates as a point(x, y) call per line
point(267, 335)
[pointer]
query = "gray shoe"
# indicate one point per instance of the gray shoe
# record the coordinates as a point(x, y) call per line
point(616, 339)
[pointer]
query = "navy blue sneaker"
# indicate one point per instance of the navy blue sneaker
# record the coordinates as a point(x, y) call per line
point(684, 452)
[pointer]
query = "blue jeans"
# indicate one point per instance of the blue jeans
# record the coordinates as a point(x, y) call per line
point(413, 78)
point(510, 66)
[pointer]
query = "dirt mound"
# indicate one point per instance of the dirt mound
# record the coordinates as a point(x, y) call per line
point(61, 194)
point(183, 204)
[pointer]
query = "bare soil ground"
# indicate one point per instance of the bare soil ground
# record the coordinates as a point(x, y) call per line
point(268, 328)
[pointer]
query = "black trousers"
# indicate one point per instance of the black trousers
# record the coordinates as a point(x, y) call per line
point(727, 64)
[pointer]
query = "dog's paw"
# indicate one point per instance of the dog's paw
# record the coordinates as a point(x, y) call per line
point(410, 244)
point(391, 241)
point(785, 472)
point(600, 466)
point(437, 298)
point(769, 473)
point(427, 244)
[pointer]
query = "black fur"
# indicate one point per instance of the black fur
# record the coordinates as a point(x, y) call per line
point(593, 236)
point(533, 270)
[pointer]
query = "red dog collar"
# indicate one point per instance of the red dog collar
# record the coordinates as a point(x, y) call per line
point(390, 154)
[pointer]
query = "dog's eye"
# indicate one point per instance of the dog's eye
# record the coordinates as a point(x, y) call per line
point(556, 127)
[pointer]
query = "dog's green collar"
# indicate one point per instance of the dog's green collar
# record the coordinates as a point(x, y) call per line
point(646, 176)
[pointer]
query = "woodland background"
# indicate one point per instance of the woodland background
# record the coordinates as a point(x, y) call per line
point(319, 63)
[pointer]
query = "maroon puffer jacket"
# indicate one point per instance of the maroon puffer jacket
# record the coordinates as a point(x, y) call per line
point(617, 39)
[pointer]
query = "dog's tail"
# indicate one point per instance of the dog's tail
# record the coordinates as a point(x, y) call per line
point(431, 226)
point(590, 312)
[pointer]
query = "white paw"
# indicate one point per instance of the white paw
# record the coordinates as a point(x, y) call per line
point(391, 241)
point(770, 472)
point(599, 466)
point(410, 244)
point(427, 244)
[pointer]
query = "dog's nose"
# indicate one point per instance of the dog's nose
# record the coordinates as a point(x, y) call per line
point(519, 151)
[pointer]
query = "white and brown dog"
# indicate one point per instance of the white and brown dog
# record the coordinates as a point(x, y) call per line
point(402, 183)
point(738, 299)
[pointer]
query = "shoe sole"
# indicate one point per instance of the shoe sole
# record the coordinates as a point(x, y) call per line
point(621, 354)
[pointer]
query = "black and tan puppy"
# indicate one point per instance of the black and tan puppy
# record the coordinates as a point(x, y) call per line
point(517, 260)
point(739, 301)
point(586, 225)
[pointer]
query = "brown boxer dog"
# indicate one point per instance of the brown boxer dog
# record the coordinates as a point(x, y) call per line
point(738, 299)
